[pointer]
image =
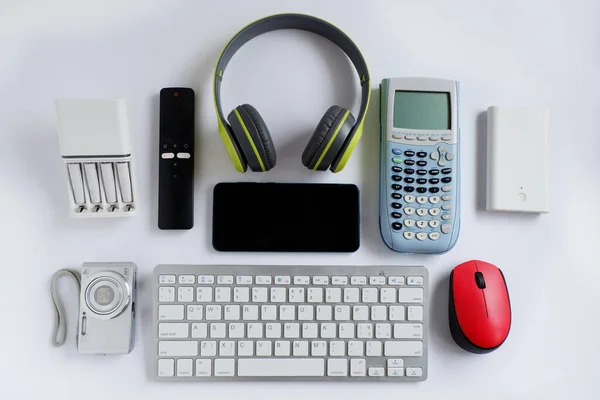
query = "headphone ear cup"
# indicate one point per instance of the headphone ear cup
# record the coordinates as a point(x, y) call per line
point(253, 136)
point(328, 138)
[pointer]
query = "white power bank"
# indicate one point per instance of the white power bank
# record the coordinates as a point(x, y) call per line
point(517, 160)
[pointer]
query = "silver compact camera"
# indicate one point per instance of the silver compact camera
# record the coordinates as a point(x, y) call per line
point(107, 308)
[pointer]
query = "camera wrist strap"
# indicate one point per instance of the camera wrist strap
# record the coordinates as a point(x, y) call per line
point(59, 330)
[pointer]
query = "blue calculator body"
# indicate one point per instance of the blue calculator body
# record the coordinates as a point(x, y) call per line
point(419, 194)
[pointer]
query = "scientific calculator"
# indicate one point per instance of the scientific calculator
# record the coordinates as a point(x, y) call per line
point(419, 209)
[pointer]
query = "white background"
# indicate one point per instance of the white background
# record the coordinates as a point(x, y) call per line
point(542, 53)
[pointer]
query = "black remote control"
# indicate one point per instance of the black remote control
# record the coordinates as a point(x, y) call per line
point(176, 159)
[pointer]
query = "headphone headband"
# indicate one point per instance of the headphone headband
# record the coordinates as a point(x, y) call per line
point(301, 22)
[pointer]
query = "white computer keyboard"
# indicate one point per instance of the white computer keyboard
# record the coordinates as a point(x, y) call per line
point(234, 323)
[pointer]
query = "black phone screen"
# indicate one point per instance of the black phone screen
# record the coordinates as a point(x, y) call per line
point(286, 217)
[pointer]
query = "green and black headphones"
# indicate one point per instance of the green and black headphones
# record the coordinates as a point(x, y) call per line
point(247, 137)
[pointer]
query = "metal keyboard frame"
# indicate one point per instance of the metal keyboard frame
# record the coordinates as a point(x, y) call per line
point(296, 270)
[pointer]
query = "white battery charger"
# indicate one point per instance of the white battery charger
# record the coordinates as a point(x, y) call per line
point(94, 144)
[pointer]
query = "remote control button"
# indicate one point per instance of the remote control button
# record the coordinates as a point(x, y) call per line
point(434, 172)
point(446, 171)
point(434, 199)
point(396, 206)
point(422, 172)
point(421, 181)
point(446, 228)
point(447, 179)
point(167, 156)
point(395, 186)
point(447, 207)
point(434, 190)
point(409, 180)
point(396, 178)
point(409, 153)
point(421, 212)
point(421, 190)
point(446, 188)
point(422, 137)
point(434, 235)
point(183, 155)
point(449, 156)
point(434, 211)
point(397, 152)
point(446, 217)
point(396, 196)
point(397, 160)
point(446, 197)
point(396, 215)
point(434, 223)
point(409, 162)
point(396, 226)
point(434, 155)
point(409, 198)
point(421, 236)
point(442, 162)
point(409, 210)
point(422, 224)
point(409, 235)
point(434, 181)
point(421, 163)
point(396, 168)
point(421, 154)
point(421, 199)
point(409, 223)
point(409, 189)
point(409, 171)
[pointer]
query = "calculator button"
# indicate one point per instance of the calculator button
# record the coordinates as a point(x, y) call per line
point(409, 235)
point(397, 136)
point(396, 206)
point(421, 199)
point(434, 172)
point(446, 188)
point(434, 190)
point(446, 228)
point(409, 210)
point(421, 190)
point(397, 152)
point(434, 137)
point(421, 154)
point(434, 211)
point(434, 181)
point(447, 137)
point(396, 178)
point(449, 156)
point(434, 155)
point(396, 196)
point(446, 180)
point(446, 197)
point(421, 163)
point(409, 180)
point(422, 224)
point(441, 162)
point(447, 207)
point(409, 162)
point(421, 212)
point(409, 198)
point(421, 172)
point(395, 186)
point(422, 137)
point(442, 149)
point(446, 171)
point(409, 189)
point(421, 181)
point(396, 226)
point(409, 171)
point(410, 136)
point(396, 160)
point(409, 223)
point(396, 215)
point(421, 236)
point(434, 223)
point(396, 168)
point(409, 153)
point(434, 235)
point(446, 217)
point(434, 199)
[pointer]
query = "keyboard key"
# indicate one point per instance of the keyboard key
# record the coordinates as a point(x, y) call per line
point(328, 330)
point(383, 331)
point(180, 348)
point(213, 312)
point(318, 348)
point(241, 295)
point(369, 295)
point(250, 313)
point(204, 294)
point(337, 367)
point(263, 348)
point(166, 294)
point(287, 313)
point(296, 295)
point(388, 295)
point(291, 330)
point(374, 348)
point(377, 280)
point(337, 348)
point(309, 330)
point(333, 295)
point(305, 313)
point(340, 280)
point(259, 294)
point(379, 313)
point(223, 295)
point(268, 312)
point(187, 279)
point(224, 367)
point(166, 367)
point(225, 279)
point(403, 349)
point(177, 330)
point(358, 280)
point(397, 313)
point(245, 348)
point(342, 313)
point(355, 348)
point(273, 330)
point(351, 295)
point(414, 371)
point(364, 331)
point(410, 295)
point(166, 279)
point(358, 367)
point(376, 371)
point(324, 313)
point(206, 279)
point(415, 313)
point(278, 295)
point(315, 295)
point(208, 348)
point(243, 280)
point(283, 280)
point(282, 348)
point(360, 313)
point(255, 330)
point(227, 348)
point(217, 330)
point(414, 281)
point(170, 312)
point(281, 367)
point(263, 280)
point(232, 312)
point(203, 367)
point(194, 313)
point(408, 331)
point(302, 280)
point(320, 280)
point(300, 348)
point(395, 371)
point(199, 330)
point(346, 330)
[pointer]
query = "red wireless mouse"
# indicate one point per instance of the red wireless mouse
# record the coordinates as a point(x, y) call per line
point(479, 308)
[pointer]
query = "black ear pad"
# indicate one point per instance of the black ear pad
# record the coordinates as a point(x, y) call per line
point(327, 140)
point(250, 129)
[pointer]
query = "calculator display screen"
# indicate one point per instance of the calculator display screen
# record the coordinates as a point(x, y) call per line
point(422, 110)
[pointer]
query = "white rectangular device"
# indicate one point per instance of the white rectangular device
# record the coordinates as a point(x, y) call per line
point(517, 160)
point(335, 323)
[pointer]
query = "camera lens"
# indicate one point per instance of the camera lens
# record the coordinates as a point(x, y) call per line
point(104, 295)
point(107, 295)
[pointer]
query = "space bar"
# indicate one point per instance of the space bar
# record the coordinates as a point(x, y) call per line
point(281, 367)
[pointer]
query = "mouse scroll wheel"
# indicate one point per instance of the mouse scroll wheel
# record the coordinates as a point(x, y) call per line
point(479, 280)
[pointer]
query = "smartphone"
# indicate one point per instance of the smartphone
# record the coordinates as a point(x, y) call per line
point(286, 217)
